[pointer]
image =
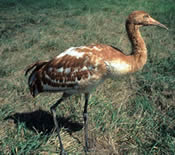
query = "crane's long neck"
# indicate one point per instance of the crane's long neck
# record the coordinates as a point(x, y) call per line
point(123, 64)
point(139, 51)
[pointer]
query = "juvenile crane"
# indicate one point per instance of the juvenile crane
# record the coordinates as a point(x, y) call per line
point(80, 69)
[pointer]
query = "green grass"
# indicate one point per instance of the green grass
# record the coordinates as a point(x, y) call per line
point(134, 114)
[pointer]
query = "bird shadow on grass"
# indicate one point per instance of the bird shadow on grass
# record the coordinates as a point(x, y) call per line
point(41, 121)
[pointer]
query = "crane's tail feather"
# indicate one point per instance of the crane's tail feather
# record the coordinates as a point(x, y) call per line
point(33, 85)
point(37, 66)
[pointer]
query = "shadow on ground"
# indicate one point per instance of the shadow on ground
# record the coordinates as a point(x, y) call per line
point(42, 121)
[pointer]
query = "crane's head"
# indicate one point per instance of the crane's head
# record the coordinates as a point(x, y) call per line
point(142, 18)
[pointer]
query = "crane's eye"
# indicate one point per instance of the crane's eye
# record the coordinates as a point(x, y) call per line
point(145, 16)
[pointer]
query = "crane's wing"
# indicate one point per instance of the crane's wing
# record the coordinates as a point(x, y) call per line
point(72, 70)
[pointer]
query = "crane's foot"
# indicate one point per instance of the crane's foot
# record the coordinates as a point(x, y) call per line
point(89, 146)
point(63, 152)
point(88, 150)
point(58, 128)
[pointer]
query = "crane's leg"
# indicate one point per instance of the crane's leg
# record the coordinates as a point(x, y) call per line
point(53, 110)
point(85, 116)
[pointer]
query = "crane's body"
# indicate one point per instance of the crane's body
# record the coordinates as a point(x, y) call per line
point(80, 69)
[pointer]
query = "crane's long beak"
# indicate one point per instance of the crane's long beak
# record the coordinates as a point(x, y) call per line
point(156, 23)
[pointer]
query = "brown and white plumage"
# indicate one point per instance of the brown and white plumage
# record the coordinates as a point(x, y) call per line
point(80, 69)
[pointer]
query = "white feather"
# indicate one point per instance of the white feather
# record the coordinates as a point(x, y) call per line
point(72, 52)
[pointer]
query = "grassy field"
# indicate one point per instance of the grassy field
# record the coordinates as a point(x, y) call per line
point(134, 114)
